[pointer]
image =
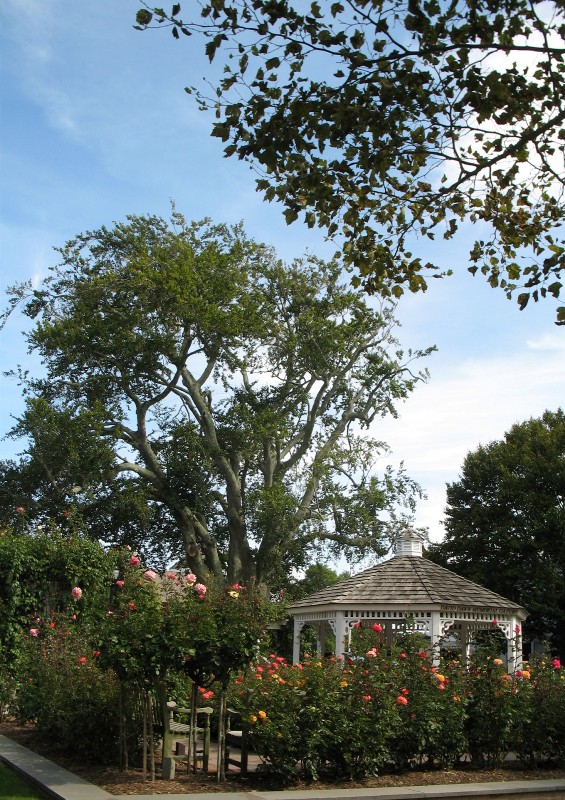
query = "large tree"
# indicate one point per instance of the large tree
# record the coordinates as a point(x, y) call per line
point(65, 479)
point(505, 522)
point(234, 389)
point(385, 122)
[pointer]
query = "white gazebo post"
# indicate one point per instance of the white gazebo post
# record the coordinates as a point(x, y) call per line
point(465, 641)
point(513, 646)
point(340, 634)
point(435, 637)
point(298, 625)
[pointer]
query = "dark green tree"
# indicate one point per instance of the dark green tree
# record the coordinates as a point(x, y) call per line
point(385, 122)
point(234, 390)
point(315, 578)
point(505, 522)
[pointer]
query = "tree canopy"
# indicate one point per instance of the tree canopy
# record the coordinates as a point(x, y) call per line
point(505, 522)
point(233, 394)
point(383, 123)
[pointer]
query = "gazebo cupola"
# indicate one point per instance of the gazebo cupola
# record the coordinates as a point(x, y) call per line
point(408, 543)
point(409, 593)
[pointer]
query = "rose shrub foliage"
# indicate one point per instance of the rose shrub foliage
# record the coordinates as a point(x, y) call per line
point(392, 709)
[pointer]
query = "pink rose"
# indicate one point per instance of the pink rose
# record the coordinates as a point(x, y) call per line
point(170, 575)
point(401, 700)
point(76, 592)
point(556, 663)
point(20, 510)
point(377, 628)
point(190, 578)
point(119, 583)
point(200, 588)
point(34, 632)
point(150, 575)
point(134, 561)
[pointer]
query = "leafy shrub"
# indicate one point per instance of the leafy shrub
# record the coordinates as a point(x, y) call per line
point(539, 696)
point(37, 574)
point(491, 712)
point(318, 718)
point(63, 691)
point(432, 717)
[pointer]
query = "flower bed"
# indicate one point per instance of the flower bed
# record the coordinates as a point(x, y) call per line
point(395, 710)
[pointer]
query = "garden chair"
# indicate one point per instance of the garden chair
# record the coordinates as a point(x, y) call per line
point(177, 729)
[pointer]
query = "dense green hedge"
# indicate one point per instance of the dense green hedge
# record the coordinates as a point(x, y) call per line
point(37, 574)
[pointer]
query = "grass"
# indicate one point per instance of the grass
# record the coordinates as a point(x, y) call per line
point(12, 787)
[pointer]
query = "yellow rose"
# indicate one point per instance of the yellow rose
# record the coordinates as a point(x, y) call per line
point(262, 714)
point(253, 719)
point(343, 684)
point(441, 678)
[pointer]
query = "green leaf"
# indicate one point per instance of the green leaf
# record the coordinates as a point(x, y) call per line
point(143, 17)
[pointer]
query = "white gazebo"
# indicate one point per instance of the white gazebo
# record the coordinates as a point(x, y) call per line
point(409, 593)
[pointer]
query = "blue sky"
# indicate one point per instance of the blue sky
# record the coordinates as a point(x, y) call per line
point(95, 124)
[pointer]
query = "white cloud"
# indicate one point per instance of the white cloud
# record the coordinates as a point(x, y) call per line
point(476, 403)
point(548, 341)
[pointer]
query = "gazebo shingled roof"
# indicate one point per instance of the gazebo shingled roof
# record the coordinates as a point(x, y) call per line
point(407, 581)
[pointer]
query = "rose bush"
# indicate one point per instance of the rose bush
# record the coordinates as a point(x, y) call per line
point(156, 625)
point(539, 697)
point(392, 709)
point(62, 689)
point(43, 572)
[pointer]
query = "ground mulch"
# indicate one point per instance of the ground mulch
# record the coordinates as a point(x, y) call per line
point(117, 782)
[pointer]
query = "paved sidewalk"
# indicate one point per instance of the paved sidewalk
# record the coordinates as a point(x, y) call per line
point(60, 784)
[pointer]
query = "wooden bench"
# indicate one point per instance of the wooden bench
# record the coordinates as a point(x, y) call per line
point(175, 730)
point(238, 739)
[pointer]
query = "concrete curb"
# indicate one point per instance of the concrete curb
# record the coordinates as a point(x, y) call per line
point(510, 790)
point(58, 783)
point(50, 779)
